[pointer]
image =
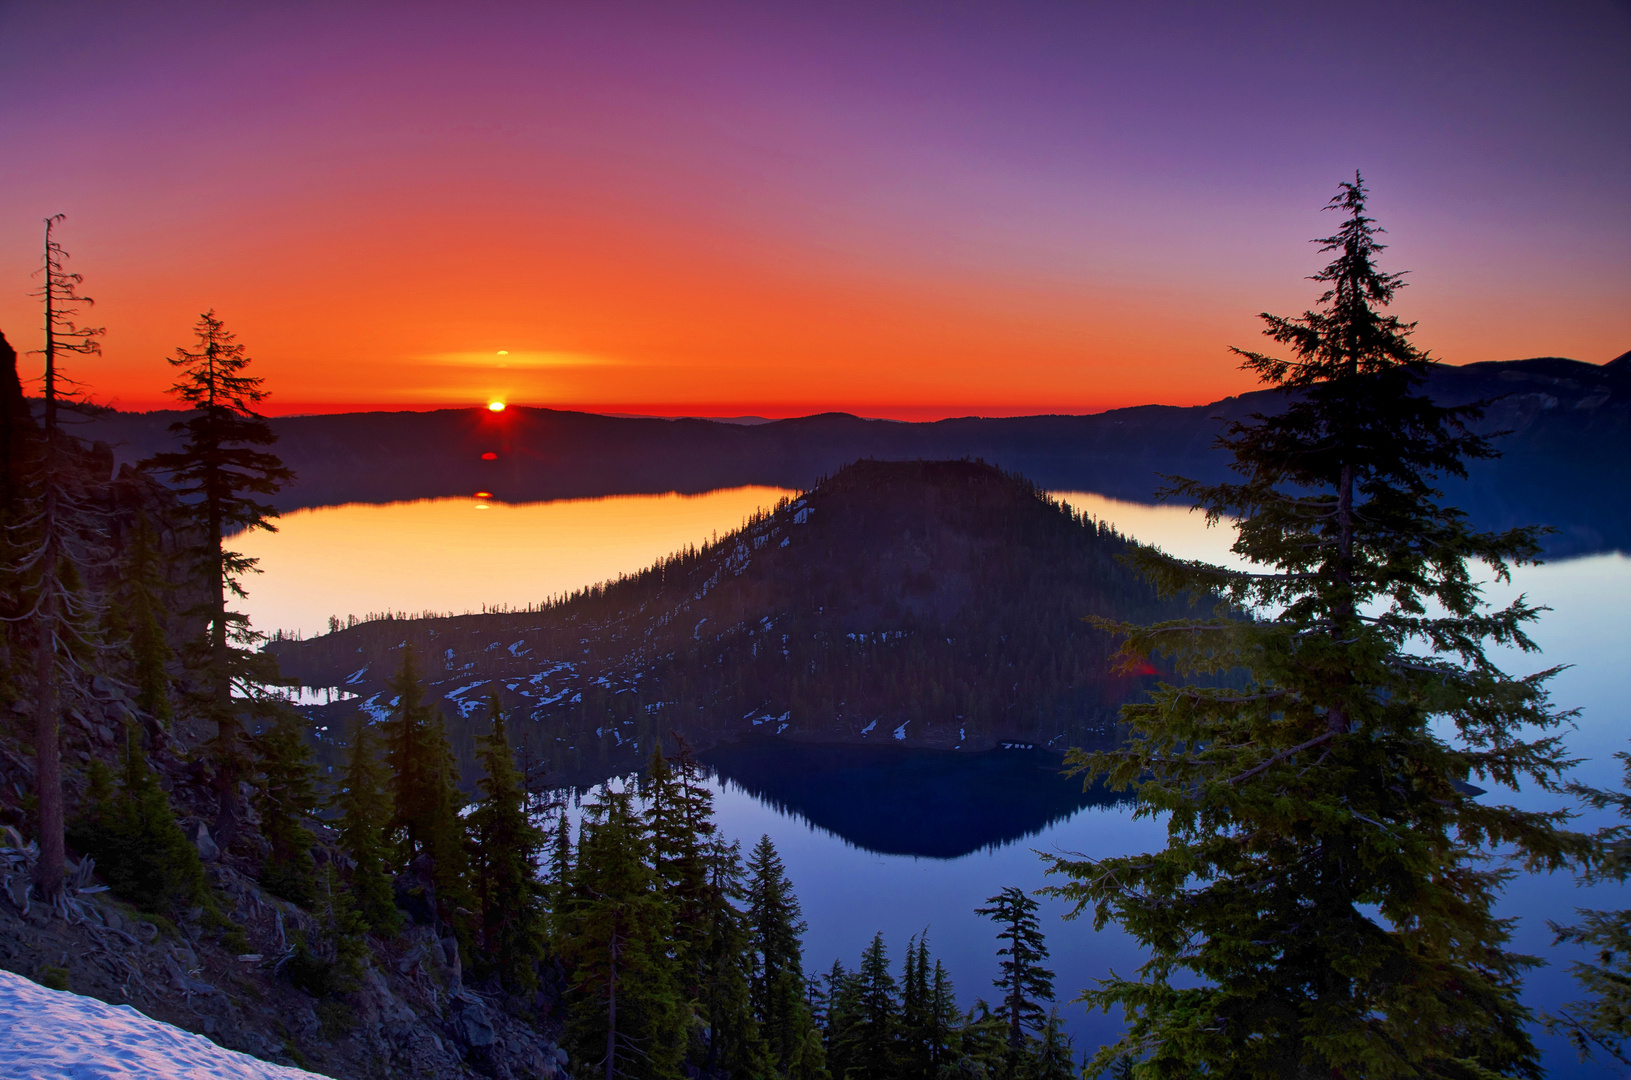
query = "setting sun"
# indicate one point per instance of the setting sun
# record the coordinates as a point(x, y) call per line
point(495, 406)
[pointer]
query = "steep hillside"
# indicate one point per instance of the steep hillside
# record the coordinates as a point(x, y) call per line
point(928, 603)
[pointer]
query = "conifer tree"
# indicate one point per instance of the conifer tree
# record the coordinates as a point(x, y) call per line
point(130, 829)
point(875, 1032)
point(777, 926)
point(625, 1017)
point(221, 477)
point(943, 1020)
point(1050, 1055)
point(364, 808)
point(1321, 907)
point(915, 1005)
point(425, 801)
point(142, 613)
point(47, 547)
point(1024, 982)
point(504, 848)
point(287, 794)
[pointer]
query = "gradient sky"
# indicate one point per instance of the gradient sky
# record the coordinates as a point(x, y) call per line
point(895, 209)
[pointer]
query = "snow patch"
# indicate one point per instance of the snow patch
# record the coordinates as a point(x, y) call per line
point(900, 732)
point(55, 1035)
point(868, 729)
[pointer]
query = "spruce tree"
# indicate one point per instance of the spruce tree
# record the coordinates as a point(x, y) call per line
point(364, 809)
point(504, 849)
point(625, 1016)
point(142, 612)
point(222, 477)
point(287, 797)
point(944, 1021)
point(874, 1034)
point(1323, 904)
point(777, 926)
point(425, 799)
point(1024, 982)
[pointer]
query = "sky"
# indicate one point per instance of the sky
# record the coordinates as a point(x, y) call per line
point(911, 210)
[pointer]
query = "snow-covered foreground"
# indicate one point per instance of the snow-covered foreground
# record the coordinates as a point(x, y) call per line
point(55, 1035)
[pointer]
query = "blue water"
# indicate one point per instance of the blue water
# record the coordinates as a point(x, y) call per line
point(848, 851)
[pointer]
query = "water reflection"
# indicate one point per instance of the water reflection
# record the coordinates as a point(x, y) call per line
point(936, 804)
point(459, 555)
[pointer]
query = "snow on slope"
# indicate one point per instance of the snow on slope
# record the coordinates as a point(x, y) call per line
point(55, 1035)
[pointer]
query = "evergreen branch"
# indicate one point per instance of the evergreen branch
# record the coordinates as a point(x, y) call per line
point(1281, 756)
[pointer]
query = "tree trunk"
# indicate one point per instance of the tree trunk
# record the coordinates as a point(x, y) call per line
point(228, 812)
point(48, 871)
point(1342, 612)
point(611, 1014)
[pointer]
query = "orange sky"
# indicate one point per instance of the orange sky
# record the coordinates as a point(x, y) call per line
point(775, 211)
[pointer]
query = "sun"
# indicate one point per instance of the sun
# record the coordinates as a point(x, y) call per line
point(495, 406)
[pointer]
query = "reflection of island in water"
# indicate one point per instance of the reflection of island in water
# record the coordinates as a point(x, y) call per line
point(939, 804)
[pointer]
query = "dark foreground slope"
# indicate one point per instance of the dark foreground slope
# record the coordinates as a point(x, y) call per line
point(917, 603)
point(1568, 445)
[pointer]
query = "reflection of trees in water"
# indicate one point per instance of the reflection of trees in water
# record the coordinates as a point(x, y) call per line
point(897, 801)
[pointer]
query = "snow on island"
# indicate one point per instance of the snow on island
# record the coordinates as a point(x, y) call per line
point(55, 1035)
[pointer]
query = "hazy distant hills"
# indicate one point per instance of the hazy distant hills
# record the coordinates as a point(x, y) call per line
point(1567, 457)
point(908, 603)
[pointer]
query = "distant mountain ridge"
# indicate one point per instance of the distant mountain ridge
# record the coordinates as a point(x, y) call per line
point(930, 604)
point(1569, 443)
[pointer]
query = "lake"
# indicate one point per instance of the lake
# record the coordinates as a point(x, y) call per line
point(865, 853)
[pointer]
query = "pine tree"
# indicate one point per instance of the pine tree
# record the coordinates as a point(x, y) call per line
point(874, 1034)
point(1322, 893)
point(131, 831)
point(504, 849)
point(777, 926)
point(944, 1020)
point(142, 612)
point(916, 1018)
point(364, 808)
point(287, 797)
point(48, 546)
point(625, 1016)
point(1024, 982)
point(425, 800)
point(221, 477)
point(1050, 1053)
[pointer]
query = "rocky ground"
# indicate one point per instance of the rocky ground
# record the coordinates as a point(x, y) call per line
point(224, 974)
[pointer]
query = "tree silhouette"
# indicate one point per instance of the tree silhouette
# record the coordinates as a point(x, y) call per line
point(1024, 982)
point(48, 542)
point(1321, 887)
point(221, 476)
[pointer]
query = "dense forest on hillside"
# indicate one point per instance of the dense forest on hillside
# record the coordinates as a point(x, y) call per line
point(927, 603)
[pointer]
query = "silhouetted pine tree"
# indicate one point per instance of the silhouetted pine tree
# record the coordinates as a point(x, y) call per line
point(142, 612)
point(1024, 982)
point(221, 476)
point(504, 846)
point(1049, 1056)
point(1320, 895)
point(47, 545)
point(365, 808)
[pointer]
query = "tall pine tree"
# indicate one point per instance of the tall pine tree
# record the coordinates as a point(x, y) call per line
point(222, 475)
point(1024, 982)
point(1323, 904)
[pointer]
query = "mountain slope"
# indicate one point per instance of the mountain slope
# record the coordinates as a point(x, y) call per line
point(927, 603)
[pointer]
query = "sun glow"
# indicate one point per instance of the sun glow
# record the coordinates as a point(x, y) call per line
point(495, 406)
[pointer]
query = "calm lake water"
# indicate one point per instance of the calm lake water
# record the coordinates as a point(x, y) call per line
point(866, 853)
